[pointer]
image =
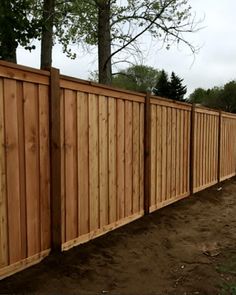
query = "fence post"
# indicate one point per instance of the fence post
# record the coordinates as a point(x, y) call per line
point(55, 159)
point(219, 147)
point(147, 158)
point(192, 148)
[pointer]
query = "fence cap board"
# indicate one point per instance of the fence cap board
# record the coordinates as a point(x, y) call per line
point(99, 89)
point(228, 115)
point(205, 110)
point(157, 100)
point(22, 73)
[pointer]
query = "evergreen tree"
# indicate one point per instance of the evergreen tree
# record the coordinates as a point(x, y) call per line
point(176, 89)
point(162, 87)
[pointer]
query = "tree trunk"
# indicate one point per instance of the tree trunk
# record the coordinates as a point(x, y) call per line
point(47, 34)
point(104, 42)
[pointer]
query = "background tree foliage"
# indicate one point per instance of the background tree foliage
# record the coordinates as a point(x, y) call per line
point(170, 88)
point(17, 27)
point(137, 78)
point(115, 26)
point(223, 98)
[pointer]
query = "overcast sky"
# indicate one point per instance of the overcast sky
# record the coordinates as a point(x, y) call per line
point(214, 65)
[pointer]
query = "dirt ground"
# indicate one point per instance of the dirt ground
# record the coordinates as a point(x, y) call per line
point(186, 248)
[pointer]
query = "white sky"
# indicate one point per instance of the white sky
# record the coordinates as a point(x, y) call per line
point(214, 65)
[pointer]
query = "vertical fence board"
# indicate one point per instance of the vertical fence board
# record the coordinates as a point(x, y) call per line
point(136, 166)
point(71, 165)
point(103, 160)
point(32, 168)
point(141, 158)
point(21, 141)
point(112, 159)
point(168, 155)
point(173, 156)
point(121, 158)
point(153, 155)
point(44, 168)
point(12, 160)
point(3, 193)
point(93, 163)
point(164, 153)
point(177, 172)
point(128, 158)
point(159, 156)
point(83, 163)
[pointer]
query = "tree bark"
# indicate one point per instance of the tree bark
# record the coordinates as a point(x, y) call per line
point(47, 34)
point(104, 42)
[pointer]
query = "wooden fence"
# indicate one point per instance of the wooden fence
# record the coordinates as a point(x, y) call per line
point(170, 152)
point(78, 159)
point(102, 160)
point(227, 167)
point(206, 146)
point(25, 234)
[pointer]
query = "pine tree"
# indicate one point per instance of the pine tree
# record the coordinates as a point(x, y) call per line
point(177, 90)
point(162, 87)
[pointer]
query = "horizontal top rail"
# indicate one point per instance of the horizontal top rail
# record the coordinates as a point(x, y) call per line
point(99, 89)
point(228, 115)
point(22, 73)
point(157, 100)
point(207, 111)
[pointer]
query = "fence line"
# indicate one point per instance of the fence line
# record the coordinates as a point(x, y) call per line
point(78, 159)
point(25, 234)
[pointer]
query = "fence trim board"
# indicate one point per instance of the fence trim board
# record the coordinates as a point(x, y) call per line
point(153, 208)
point(97, 233)
point(201, 188)
point(95, 89)
point(21, 75)
point(23, 264)
point(169, 103)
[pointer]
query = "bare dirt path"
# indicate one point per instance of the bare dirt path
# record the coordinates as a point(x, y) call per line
point(186, 248)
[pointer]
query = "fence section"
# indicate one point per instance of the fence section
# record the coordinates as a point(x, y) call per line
point(96, 181)
point(206, 148)
point(24, 155)
point(228, 146)
point(170, 152)
point(102, 160)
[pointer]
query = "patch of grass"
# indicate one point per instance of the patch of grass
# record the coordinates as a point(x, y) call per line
point(228, 289)
point(228, 266)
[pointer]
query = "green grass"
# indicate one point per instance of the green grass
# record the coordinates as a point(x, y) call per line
point(228, 267)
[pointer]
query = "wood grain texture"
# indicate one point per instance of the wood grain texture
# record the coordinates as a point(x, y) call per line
point(93, 163)
point(83, 163)
point(31, 111)
point(121, 158)
point(103, 160)
point(12, 164)
point(44, 168)
point(128, 158)
point(3, 192)
point(112, 159)
point(71, 178)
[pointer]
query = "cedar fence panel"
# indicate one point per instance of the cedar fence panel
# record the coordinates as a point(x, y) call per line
point(206, 145)
point(102, 160)
point(25, 236)
point(228, 146)
point(170, 152)
point(72, 163)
